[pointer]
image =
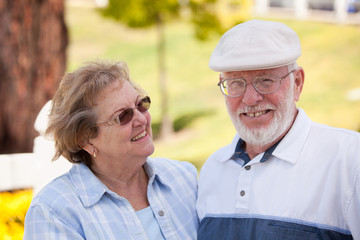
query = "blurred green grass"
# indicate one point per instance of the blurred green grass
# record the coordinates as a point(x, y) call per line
point(330, 57)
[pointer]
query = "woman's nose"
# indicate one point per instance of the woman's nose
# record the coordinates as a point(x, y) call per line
point(139, 117)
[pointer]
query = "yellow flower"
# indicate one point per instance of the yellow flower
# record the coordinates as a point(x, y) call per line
point(14, 206)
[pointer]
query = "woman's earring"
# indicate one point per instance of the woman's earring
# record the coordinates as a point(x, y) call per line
point(94, 152)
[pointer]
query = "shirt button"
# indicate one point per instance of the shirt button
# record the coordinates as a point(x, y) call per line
point(248, 167)
point(161, 213)
point(242, 193)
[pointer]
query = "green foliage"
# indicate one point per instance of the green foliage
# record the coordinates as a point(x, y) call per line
point(181, 122)
point(217, 16)
point(141, 13)
point(207, 16)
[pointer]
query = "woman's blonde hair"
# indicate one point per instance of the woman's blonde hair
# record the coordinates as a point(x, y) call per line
point(72, 119)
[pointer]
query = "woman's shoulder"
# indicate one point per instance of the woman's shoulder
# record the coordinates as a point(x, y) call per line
point(168, 170)
point(181, 176)
point(59, 190)
point(164, 164)
point(56, 205)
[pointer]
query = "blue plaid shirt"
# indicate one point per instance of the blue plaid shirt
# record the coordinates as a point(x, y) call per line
point(77, 205)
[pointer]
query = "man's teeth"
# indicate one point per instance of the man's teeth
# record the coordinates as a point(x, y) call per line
point(139, 136)
point(255, 114)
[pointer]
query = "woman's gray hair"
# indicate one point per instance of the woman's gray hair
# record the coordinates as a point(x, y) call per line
point(72, 119)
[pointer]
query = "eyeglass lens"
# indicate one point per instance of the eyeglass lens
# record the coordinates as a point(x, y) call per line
point(264, 85)
point(127, 115)
point(236, 87)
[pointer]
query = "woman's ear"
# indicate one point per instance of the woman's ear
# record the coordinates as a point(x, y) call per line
point(90, 148)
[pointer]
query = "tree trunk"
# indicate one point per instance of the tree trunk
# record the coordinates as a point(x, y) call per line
point(33, 41)
point(166, 128)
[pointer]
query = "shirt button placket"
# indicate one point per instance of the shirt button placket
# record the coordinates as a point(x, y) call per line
point(243, 188)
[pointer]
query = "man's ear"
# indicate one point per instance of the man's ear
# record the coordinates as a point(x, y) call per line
point(299, 78)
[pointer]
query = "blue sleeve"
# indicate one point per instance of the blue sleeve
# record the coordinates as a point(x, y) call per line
point(41, 223)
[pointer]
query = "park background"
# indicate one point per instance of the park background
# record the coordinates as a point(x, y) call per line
point(330, 57)
point(331, 95)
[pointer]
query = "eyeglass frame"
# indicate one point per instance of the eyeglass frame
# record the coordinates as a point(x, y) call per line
point(221, 85)
point(116, 120)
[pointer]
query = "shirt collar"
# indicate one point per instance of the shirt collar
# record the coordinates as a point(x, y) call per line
point(229, 150)
point(89, 188)
point(293, 143)
point(154, 173)
point(240, 153)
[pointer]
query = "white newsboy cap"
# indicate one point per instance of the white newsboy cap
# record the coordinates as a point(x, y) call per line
point(255, 45)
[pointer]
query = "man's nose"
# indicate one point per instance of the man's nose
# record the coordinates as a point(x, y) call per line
point(251, 97)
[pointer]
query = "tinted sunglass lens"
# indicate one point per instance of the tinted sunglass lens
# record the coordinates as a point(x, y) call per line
point(126, 116)
point(144, 104)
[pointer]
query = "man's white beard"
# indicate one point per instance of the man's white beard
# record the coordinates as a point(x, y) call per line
point(263, 135)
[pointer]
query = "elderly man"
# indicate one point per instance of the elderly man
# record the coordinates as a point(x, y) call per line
point(283, 176)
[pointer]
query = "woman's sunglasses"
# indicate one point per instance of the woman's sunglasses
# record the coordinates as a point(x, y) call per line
point(127, 115)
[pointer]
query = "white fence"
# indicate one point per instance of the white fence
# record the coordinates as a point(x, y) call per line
point(32, 170)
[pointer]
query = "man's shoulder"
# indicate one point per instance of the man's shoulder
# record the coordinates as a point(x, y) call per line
point(332, 133)
point(222, 154)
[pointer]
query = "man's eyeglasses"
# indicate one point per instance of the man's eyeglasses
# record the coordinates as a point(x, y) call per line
point(127, 115)
point(235, 87)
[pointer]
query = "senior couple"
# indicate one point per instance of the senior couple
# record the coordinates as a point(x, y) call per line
point(282, 177)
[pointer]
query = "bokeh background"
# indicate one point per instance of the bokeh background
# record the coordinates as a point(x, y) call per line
point(195, 106)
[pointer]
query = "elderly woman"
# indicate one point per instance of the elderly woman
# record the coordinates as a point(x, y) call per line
point(100, 122)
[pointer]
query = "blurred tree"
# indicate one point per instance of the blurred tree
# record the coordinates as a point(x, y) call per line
point(208, 16)
point(33, 41)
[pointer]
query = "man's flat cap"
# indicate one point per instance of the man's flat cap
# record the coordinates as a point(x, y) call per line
point(255, 45)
